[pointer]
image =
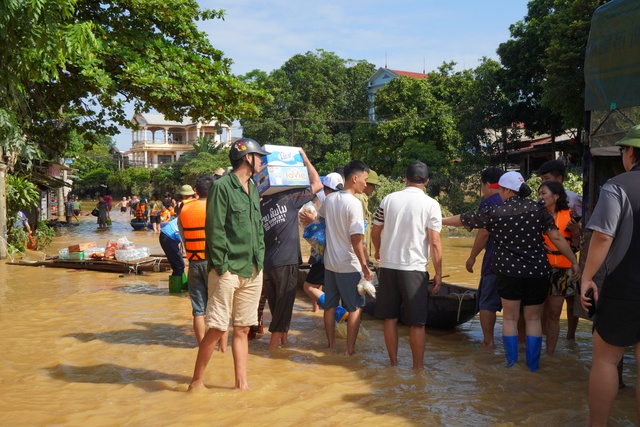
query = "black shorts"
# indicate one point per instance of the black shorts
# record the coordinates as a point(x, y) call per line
point(316, 274)
point(154, 219)
point(123, 209)
point(403, 295)
point(618, 321)
point(529, 290)
point(76, 212)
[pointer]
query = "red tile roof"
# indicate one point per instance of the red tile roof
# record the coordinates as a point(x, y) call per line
point(410, 74)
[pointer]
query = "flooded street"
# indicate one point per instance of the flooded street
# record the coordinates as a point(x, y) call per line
point(92, 348)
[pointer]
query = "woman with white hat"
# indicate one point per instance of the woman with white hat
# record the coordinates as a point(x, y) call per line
point(519, 260)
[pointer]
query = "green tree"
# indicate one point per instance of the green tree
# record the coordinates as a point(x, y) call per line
point(21, 194)
point(564, 60)
point(132, 181)
point(80, 61)
point(318, 101)
point(94, 182)
point(204, 163)
point(543, 63)
point(411, 119)
point(332, 160)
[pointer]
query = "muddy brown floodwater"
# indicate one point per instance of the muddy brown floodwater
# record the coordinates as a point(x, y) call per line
point(90, 348)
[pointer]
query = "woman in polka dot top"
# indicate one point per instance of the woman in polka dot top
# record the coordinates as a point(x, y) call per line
point(519, 260)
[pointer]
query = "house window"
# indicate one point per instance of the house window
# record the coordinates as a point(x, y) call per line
point(164, 159)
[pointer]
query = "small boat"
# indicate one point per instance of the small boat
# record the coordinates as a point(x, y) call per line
point(452, 306)
point(139, 224)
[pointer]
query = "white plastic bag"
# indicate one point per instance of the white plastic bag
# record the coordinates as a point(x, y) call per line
point(368, 287)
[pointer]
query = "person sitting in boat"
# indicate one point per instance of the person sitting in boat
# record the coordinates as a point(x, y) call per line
point(552, 194)
point(519, 260)
point(142, 213)
point(412, 221)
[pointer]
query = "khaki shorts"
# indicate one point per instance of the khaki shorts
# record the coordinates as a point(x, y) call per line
point(232, 295)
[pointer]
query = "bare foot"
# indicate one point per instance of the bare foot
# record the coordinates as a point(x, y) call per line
point(487, 346)
point(242, 386)
point(315, 307)
point(349, 354)
point(196, 386)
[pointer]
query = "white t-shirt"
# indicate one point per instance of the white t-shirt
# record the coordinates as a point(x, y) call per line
point(407, 217)
point(343, 218)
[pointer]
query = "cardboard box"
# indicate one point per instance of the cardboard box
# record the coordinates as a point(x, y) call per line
point(82, 246)
point(282, 156)
point(274, 179)
point(76, 255)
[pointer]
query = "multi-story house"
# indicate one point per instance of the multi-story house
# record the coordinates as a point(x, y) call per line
point(159, 141)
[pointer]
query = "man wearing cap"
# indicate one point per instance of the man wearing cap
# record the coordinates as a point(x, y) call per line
point(615, 243)
point(344, 256)
point(488, 298)
point(372, 183)
point(282, 251)
point(191, 222)
point(235, 255)
point(187, 194)
point(315, 279)
point(412, 222)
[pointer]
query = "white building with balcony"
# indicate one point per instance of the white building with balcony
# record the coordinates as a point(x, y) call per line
point(159, 141)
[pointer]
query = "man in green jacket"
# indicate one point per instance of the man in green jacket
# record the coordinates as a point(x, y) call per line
point(235, 255)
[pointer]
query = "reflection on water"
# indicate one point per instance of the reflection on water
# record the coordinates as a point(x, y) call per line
point(92, 348)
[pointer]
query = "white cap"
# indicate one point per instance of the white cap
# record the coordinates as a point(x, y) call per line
point(333, 181)
point(511, 180)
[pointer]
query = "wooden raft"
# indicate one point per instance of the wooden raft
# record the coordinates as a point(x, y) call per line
point(130, 267)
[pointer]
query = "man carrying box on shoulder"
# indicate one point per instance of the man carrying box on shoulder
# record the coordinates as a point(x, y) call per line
point(282, 251)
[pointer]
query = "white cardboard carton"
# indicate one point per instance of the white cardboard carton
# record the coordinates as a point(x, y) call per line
point(274, 179)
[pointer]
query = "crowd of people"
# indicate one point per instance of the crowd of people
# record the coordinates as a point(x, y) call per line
point(242, 248)
point(529, 270)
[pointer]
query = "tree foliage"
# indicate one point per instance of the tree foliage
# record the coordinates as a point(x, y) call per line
point(21, 194)
point(80, 61)
point(544, 65)
point(318, 101)
point(204, 163)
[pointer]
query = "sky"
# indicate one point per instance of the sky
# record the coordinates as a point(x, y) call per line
point(399, 34)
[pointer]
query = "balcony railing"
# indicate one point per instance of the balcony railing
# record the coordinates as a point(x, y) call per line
point(159, 144)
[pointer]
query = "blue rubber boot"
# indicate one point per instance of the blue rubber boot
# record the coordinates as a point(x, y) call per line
point(341, 314)
point(511, 349)
point(321, 301)
point(534, 348)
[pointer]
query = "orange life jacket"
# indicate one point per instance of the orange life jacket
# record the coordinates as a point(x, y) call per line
point(556, 259)
point(192, 217)
point(141, 210)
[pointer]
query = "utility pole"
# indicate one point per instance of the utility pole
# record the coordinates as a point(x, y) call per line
point(292, 140)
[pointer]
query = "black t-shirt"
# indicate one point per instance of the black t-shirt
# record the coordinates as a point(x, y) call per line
point(280, 222)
